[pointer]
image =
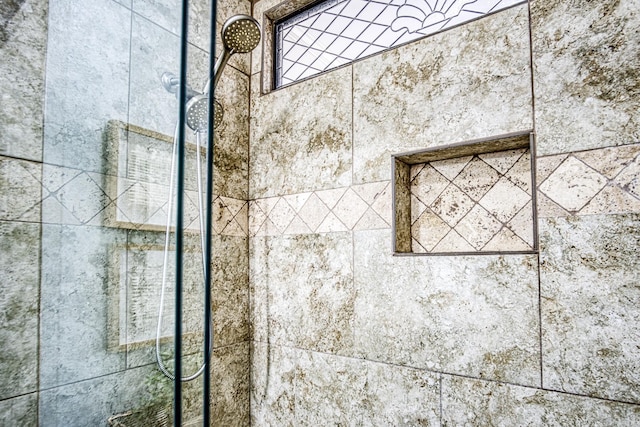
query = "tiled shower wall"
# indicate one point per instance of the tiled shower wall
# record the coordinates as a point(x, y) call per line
point(70, 322)
point(345, 333)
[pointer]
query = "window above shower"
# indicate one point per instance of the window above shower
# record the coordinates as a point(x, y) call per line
point(333, 33)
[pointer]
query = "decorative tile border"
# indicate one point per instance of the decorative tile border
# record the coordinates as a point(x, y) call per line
point(600, 181)
point(473, 203)
point(357, 207)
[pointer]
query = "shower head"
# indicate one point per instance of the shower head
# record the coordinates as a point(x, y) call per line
point(240, 34)
point(197, 113)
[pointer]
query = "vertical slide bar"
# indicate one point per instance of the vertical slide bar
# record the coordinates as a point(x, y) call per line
point(208, 323)
point(182, 111)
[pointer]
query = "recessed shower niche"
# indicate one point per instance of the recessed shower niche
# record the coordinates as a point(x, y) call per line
point(467, 198)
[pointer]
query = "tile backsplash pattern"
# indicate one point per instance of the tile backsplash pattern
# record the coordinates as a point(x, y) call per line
point(590, 182)
point(474, 203)
point(357, 207)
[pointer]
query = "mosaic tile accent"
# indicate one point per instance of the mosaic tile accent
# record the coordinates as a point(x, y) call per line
point(358, 207)
point(600, 181)
point(474, 203)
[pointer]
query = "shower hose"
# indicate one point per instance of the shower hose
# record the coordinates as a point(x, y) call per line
point(165, 263)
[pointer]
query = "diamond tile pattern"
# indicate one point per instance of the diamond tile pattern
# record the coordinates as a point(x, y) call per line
point(601, 181)
point(473, 204)
point(360, 207)
point(336, 32)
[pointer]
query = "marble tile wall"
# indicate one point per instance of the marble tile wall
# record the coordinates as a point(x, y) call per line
point(547, 338)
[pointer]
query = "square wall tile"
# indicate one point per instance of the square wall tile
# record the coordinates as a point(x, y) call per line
point(590, 298)
point(87, 80)
point(20, 279)
point(301, 136)
point(467, 401)
point(20, 411)
point(23, 37)
point(468, 82)
point(586, 57)
point(306, 298)
point(469, 315)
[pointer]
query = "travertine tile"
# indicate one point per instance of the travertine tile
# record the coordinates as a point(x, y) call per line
point(473, 315)
point(478, 227)
point(476, 178)
point(337, 390)
point(504, 200)
point(452, 205)
point(20, 278)
point(230, 385)
point(20, 190)
point(585, 62)
point(273, 393)
point(469, 82)
point(428, 230)
point(350, 208)
point(87, 80)
point(20, 411)
point(590, 324)
point(573, 184)
point(78, 266)
point(306, 298)
point(466, 401)
point(23, 36)
point(301, 137)
point(427, 184)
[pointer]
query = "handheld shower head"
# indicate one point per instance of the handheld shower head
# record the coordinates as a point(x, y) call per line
point(198, 113)
point(240, 34)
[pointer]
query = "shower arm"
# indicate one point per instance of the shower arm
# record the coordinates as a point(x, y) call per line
point(217, 69)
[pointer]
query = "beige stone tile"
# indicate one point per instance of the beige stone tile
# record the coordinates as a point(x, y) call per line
point(19, 273)
point(450, 168)
point(522, 224)
point(339, 390)
point(429, 229)
point(273, 393)
point(467, 401)
point(23, 47)
point(453, 242)
point(297, 201)
point(350, 208)
point(478, 73)
point(504, 200)
point(383, 204)
point(428, 185)
point(452, 205)
point(573, 184)
point(417, 208)
point(297, 226)
point(609, 161)
point(230, 293)
point(370, 220)
point(478, 227)
point(230, 379)
point(231, 162)
point(301, 137)
point(506, 240)
point(371, 191)
point(330, 224)
point(331, 197)
point(313, 212)
point(256, 218)
point(22, 411)
point(629, 178)
point(476, 179)
point(586, 92)
point(611, 200)
point(281, 215)
point(549, 208)
point(20, 189)
point(503, 161)
point(546, 165)
point(306, 298)
point(590, 322)
point(520, 173)
point(472, 315)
